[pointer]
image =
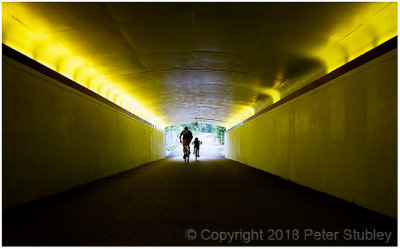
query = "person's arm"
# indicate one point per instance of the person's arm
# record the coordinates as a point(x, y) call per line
point(180, 137)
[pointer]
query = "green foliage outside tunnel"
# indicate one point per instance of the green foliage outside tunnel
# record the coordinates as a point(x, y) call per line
point(200, 127)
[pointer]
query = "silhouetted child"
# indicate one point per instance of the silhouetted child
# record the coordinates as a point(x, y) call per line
point(197, 143)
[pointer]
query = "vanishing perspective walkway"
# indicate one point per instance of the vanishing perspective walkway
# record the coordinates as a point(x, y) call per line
point(155, 204)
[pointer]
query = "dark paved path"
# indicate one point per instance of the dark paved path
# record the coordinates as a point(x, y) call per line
point(156, 203)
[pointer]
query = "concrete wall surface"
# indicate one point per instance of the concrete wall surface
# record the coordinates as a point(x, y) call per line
point(56, 138)
point(340, 138)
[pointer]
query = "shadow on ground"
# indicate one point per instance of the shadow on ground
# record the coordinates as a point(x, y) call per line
point(157, 203)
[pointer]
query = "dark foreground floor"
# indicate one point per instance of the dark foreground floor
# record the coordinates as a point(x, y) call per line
point(224, 202)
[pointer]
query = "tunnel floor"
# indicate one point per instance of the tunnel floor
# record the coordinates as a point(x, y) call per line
point(224, 202)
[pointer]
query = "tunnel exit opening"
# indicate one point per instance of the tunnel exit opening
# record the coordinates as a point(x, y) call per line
point(212, 138)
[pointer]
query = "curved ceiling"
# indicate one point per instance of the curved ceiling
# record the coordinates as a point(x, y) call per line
point(217, 63)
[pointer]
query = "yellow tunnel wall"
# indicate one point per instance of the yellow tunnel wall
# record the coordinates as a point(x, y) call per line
point(56, 138)
point(340, 138)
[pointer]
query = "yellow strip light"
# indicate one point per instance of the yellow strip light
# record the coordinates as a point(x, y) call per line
point(343, 47)
point(43, 49)
point(379, 28)
point(245, 113)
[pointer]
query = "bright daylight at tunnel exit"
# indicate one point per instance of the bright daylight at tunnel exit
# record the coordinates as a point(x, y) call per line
point(210, 138)
point(199, 123)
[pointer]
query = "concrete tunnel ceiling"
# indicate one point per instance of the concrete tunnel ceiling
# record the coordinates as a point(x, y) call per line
point(218, 63)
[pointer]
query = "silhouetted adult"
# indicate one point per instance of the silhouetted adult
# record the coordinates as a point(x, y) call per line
point(187, 138)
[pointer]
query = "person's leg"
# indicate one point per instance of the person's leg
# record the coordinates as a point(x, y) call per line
point(184, 148)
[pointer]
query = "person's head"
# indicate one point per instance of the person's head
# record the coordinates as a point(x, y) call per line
point(186, 128)
point(196, 139)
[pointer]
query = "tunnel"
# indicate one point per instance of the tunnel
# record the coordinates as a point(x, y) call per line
point(306, 94)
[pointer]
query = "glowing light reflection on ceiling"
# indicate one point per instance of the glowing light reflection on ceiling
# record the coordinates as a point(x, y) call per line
point(35, 44)
point(342, 45)
point(342, 48)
